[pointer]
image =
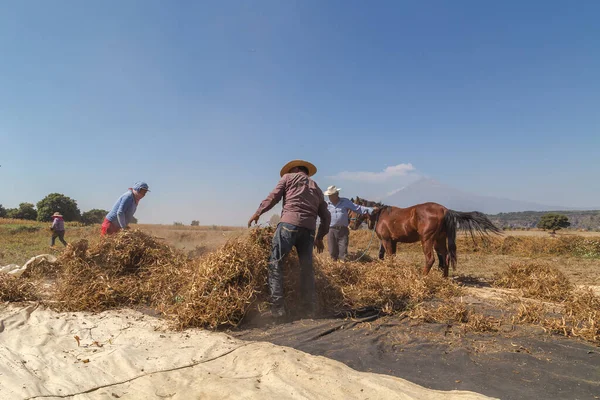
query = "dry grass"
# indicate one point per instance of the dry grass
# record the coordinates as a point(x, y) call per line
point(128, 269)
point(536, 280)
point(221, 288)
point(454, 311)
point(16, 289)
point(523, 246)
point(133, 269)
point(580, 316)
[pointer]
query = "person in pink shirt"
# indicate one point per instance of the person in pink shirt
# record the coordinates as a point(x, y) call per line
point(58, 229)
point(303, 202)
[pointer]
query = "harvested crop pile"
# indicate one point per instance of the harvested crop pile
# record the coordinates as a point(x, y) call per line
point(581, 317)
point(536, 280)
point(131, 268)
point(453, 311)
point(581, 314)
point(223, 286)
point(14, 288)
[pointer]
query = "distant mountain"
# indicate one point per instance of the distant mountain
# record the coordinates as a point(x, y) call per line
point(426, 190)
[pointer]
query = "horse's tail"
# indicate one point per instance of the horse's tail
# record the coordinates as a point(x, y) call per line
point(474, 222)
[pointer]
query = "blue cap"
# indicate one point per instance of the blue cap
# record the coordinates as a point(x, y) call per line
point(140, 185)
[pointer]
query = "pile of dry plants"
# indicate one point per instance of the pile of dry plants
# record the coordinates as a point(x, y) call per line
point(573, 312)
point(134, 269)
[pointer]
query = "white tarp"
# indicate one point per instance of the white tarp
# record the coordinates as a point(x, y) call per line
point(128, 355)
point(14, 269)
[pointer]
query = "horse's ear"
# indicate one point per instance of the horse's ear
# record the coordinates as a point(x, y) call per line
point(352, 199)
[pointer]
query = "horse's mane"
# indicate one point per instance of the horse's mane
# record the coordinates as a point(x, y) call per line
point(369, 203)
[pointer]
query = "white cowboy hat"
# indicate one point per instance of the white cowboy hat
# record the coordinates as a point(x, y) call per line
point(332, 190)
point(56, 214)
point(298, 163)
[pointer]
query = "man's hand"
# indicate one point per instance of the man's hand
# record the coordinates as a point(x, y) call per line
point(254, 219)
point(375, 209)
point(319, 245)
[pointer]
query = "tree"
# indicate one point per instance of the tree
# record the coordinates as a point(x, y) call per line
point(25, 211)
point(134, 220)
point(56, 202)
point(553, 222)
point(195, 223)
point(94, 216)
point(2, 212)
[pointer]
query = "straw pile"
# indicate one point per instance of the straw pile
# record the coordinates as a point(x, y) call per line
point(14, 288)
point(223, 288)
point(453, 311)
point(536, 280)
point(128, 269)
point(580, 316)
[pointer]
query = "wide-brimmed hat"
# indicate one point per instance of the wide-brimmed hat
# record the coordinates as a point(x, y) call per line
point(298, 163)
point(56, 215)
point(332, 190)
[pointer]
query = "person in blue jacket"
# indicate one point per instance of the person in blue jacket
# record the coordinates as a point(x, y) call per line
point(122, 212)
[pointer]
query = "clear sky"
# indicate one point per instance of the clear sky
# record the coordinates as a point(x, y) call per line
point(207, 100)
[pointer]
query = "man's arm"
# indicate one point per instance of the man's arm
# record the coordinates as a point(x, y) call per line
point(273, 198)
point(325, 217)
point(358, 209)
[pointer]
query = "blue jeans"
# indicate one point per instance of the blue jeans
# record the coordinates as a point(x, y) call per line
point(286, 237)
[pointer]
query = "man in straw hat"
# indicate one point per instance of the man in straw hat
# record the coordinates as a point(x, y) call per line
point(58, 229)
point(337, 238)
point(121, 215)
point(303, 201)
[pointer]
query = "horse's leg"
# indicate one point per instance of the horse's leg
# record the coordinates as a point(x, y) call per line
point(387, 244)
point(442, 252)
point(381, 251)
point(427, 244)
point(394, 243)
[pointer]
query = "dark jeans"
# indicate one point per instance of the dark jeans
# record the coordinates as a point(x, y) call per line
point(337, 241)
point(286, 237)
point(60, 235)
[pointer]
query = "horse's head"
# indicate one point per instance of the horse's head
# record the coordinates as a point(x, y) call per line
point(356, 219)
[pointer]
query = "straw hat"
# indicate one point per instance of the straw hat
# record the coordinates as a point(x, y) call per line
point(298, 163)
point(56, 214)
point(332, 190)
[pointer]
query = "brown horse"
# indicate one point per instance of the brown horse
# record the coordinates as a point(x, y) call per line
point(431, 223)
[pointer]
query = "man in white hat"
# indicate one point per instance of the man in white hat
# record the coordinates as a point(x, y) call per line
point(337, 238)
point(303, 202)
point(58, 229)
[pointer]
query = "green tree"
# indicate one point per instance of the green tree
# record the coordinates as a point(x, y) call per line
point(94, 216)
point(195, 223)
point(25, 211)
point(2, 212)
point(56, 202)
point(553, 222)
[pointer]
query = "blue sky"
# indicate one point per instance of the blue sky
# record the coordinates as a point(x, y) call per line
point(207, 100)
